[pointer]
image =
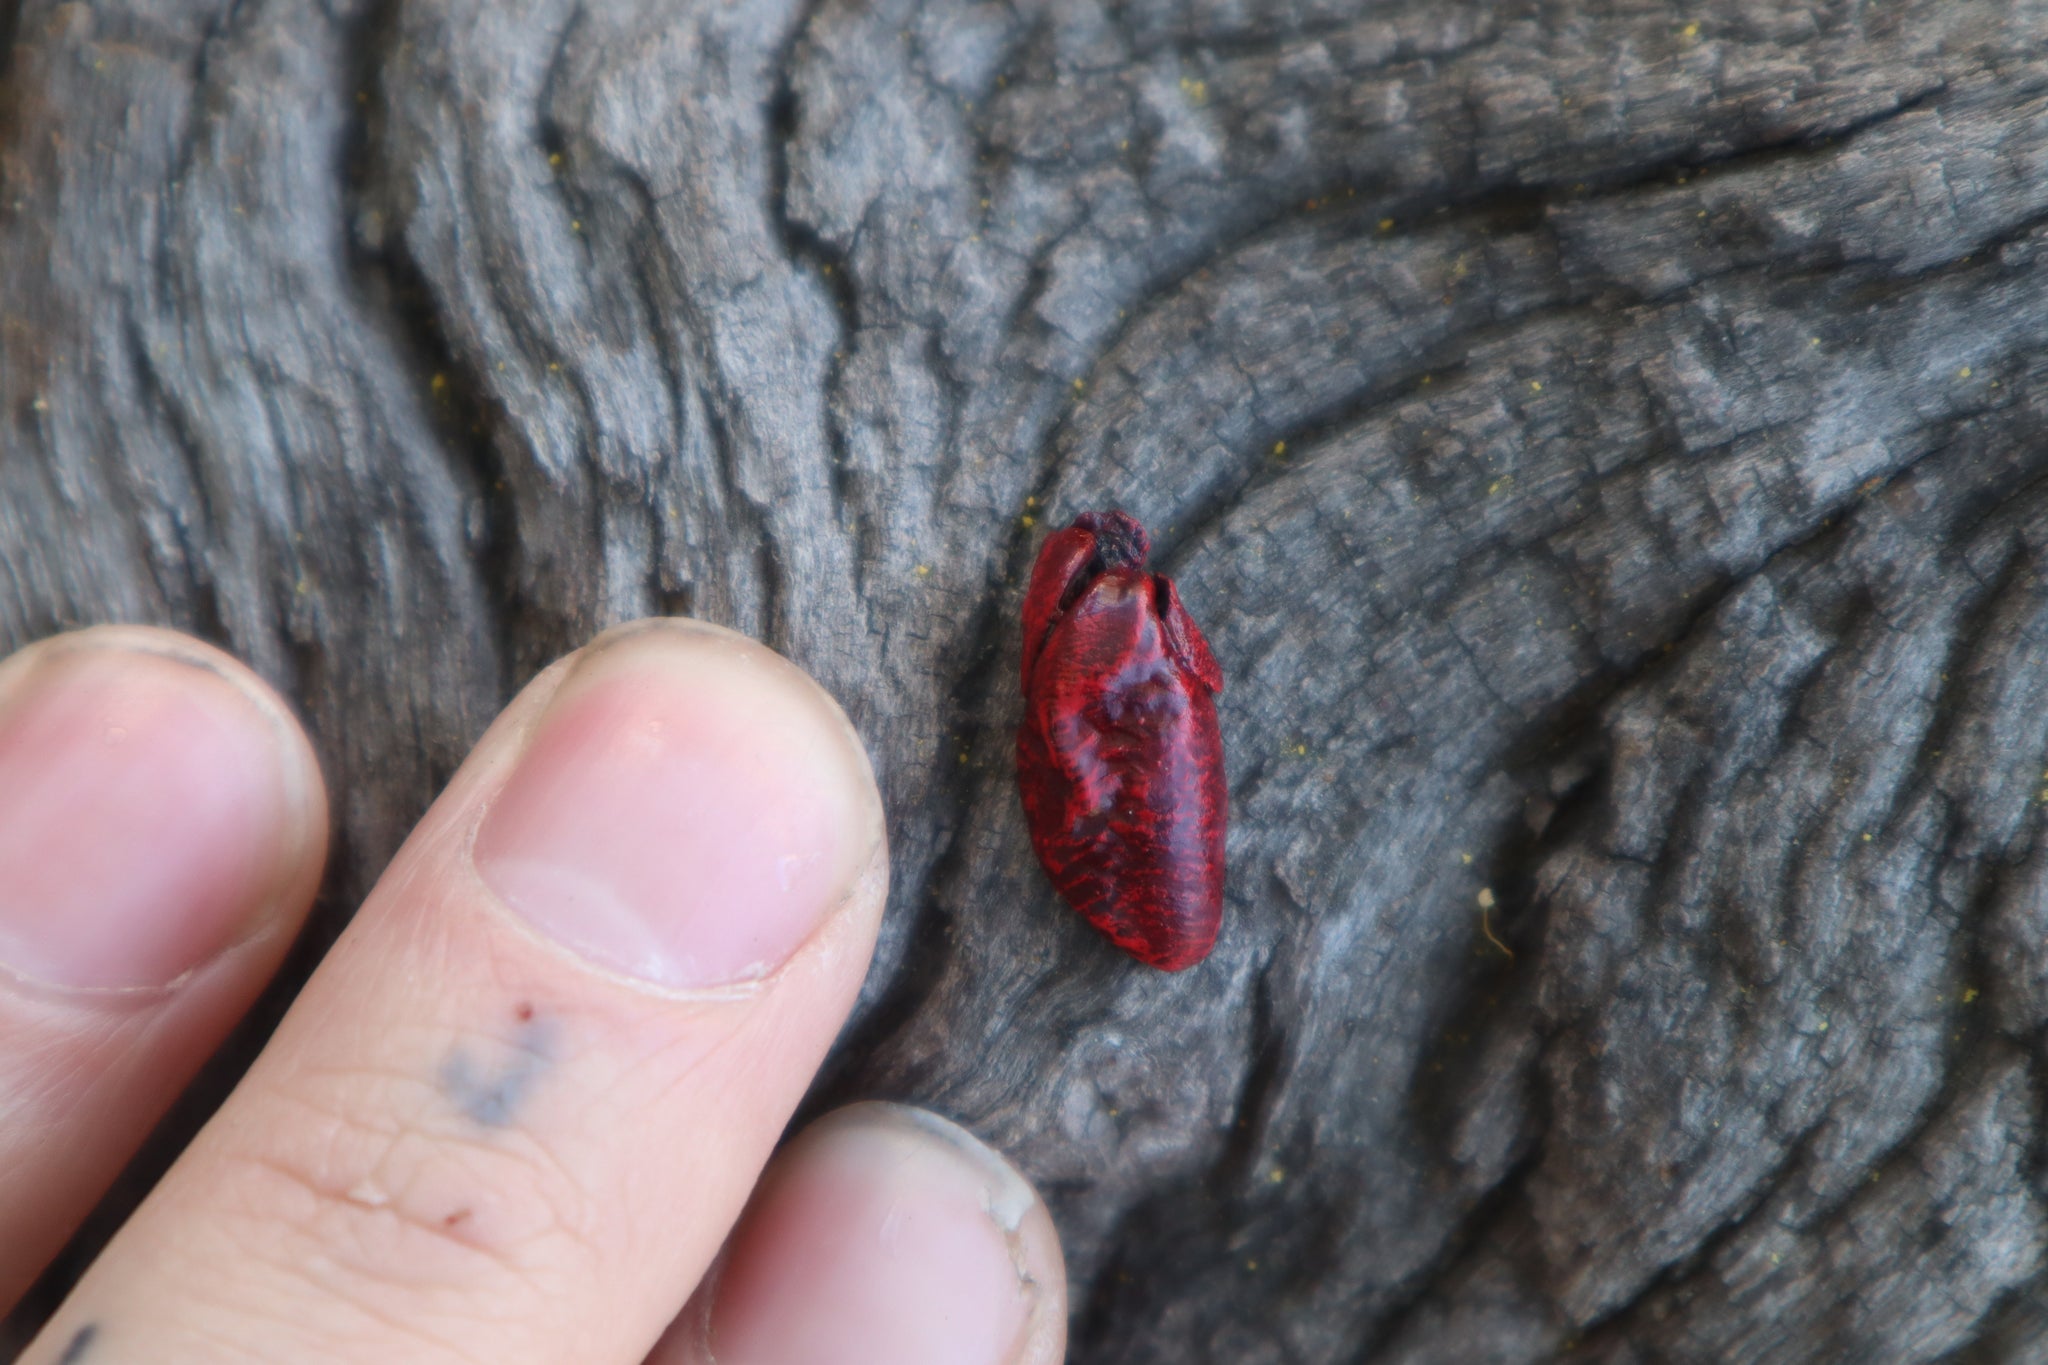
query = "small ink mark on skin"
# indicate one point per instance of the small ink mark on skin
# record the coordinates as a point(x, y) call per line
point(491, 1096)
point(81, 1342)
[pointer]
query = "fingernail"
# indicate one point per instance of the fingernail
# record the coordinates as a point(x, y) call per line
point(687, 810)
point(147, 806)
point(887, 1234)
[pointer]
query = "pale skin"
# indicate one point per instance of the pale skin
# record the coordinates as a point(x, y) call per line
point(531, 1107)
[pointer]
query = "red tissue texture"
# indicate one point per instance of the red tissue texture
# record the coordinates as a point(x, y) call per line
point(1119, 758)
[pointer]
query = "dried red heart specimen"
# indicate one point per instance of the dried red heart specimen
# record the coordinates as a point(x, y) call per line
point(1119, 758)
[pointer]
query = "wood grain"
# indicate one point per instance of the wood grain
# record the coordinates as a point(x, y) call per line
point(1601, 440)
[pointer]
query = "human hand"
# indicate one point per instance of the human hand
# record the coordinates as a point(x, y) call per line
point(518, 1109)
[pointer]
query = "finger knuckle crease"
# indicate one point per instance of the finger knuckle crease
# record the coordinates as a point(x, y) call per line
point(386, 1200)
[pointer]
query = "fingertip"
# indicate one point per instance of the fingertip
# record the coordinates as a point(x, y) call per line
point(686, 809)
point(159, 805)
point(884, 1233)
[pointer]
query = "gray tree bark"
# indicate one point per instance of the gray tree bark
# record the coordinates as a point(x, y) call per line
point(1600, 438)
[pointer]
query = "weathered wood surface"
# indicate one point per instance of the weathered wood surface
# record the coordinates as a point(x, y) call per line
point(1603, 442)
